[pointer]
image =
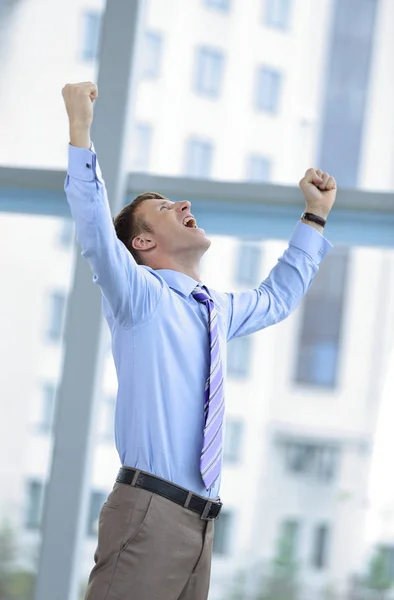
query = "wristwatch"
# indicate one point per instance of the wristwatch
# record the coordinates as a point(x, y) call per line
point(314, 218)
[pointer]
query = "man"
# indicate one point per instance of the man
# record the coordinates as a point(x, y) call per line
point(169, 336)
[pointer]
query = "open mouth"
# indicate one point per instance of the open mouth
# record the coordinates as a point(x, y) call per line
point(190, 222)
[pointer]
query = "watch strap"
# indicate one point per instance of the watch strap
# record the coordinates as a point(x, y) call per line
point(314, 218)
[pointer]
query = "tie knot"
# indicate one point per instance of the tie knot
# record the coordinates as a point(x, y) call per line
point(201, 295)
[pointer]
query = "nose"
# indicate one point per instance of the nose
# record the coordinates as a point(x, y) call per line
point(183, 205)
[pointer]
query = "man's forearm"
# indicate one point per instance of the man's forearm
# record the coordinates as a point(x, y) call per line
point(80, 135)
point(319, 212)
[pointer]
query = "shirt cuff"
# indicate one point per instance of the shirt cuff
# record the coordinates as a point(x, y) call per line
point(309, 240)
point(83, 164)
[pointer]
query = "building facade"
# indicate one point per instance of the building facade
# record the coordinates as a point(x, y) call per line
point(232, 91)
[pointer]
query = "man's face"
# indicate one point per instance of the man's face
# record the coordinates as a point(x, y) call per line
point(175, 228)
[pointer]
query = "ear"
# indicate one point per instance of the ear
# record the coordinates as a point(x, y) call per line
point(143, 242)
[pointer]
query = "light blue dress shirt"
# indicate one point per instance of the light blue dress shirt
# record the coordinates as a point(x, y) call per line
point(159, 331)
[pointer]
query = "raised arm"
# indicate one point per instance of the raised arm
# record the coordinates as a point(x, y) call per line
point(281, 292)
point(130, 291)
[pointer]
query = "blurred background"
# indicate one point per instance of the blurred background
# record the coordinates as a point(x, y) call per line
point(233, 100)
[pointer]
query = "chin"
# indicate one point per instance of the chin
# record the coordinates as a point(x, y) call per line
point(206, 244)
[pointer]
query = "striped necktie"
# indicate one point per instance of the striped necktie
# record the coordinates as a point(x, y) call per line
point(212, 450)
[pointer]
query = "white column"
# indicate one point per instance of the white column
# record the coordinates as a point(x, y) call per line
point(67, 494)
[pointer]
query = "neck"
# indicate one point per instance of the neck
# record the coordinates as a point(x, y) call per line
point(192, 268)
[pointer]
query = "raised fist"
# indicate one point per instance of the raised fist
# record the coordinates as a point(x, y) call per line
point(320, 190)
point(79, 98)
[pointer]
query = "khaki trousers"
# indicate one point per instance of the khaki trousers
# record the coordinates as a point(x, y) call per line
point(150, 548)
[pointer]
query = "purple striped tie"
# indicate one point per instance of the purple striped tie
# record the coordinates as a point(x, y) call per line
point(211, 454)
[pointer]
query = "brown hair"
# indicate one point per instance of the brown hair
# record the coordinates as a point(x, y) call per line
point(128, 224)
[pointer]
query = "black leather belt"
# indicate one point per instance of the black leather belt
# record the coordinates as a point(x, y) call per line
point(207, 509)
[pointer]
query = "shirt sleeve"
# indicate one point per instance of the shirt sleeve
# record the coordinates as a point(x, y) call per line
point(281, 292)
point(131, 292)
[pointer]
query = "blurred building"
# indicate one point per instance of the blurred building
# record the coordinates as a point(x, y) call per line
point(302, 405)
point(238, 91)
point(257, 90)
point(302, 410)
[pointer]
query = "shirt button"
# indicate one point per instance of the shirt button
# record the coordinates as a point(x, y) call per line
point(88, 166)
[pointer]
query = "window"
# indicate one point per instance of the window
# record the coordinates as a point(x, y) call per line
point(233, 440)
point(319, 461)
point(153, 53)
point(97, 500)
point(66, 234)
point(218, 4)
point(57, 305)
point(239, 357)
point(48, 398)
point(209, 71)
point(258, 168)
point(141, 145)
point(277, 13)
point(318, 353)
point(268, 87)
point(106, 419)
point(221, 540)
point(320, 547)
point(384, 557)
point(199, 154)
point(347, 88)
point(248, 265)
point(35, 496)
point(91, 35)
point(288, 540)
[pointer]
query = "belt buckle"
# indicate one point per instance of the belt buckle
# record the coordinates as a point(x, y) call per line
point(205, 513)
point(205, 516)
point(220, 506)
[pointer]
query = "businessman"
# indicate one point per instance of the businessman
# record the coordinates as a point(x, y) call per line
point(169, 335)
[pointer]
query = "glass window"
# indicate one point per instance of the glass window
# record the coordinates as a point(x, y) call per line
point(319, 346)
point(209, 71)
point(288, 539)
point(239, 352)
point(258, 168)
point(383, 561)
point(348, 81)
point(35, 495)
point(268, 89)
point(199, 154)
point(320, 547)
point(141, 145)
point(48, 398)
point(248, 265)
point(153, 54)
point(233, 440)
point(322, 358)
point(277, 13)
point(319, 461)
point(57, 306)
point(97, 500)
point(223, 526)
point(91, 35)
point(218, 4)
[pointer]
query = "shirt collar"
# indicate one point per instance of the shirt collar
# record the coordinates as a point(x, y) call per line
point(178, 281)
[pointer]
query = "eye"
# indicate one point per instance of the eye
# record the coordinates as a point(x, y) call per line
point(165, 206)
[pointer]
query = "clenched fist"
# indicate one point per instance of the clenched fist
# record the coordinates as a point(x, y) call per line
point(79, 98)
point(320, 190)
